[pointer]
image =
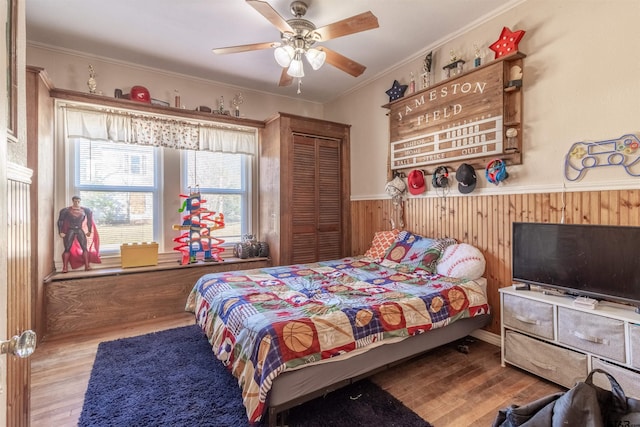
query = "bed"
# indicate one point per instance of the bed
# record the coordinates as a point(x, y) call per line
point(291, 333)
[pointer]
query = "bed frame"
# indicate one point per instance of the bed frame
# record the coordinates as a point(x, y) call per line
point(293, 388)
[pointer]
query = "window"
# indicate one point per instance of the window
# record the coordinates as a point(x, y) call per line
point(223, 180)
point(131, 168)
point(119, 182)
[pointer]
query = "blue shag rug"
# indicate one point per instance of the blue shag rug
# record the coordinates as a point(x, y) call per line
point(172, 378)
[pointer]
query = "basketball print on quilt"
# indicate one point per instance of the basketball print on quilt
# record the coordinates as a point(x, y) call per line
point(462, 261)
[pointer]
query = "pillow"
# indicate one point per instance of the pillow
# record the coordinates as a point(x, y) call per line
point(413, 252)
point(462, 261)
point(382, 240)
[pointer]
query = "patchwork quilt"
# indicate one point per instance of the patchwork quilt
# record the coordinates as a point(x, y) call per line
point(263, 322)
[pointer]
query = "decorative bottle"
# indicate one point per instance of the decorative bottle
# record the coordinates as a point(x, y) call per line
point(177, 99)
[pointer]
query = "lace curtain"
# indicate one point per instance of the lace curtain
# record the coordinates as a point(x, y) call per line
point(158, 131)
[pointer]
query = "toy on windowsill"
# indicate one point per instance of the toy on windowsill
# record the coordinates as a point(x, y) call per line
point(79, 235)
point(138, 254)
point(249, 247)
point(199, 222)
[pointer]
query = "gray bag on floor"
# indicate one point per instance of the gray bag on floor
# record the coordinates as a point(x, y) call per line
point(584, 405)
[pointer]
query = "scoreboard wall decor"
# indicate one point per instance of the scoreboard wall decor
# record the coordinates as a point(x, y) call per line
point(462, 119)
point(476, 138)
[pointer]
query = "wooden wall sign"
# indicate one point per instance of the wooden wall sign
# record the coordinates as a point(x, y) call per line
point(461, 119)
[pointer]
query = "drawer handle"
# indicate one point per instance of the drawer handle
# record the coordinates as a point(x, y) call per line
point(527, 320)
point(589, 338)
point(543, 366)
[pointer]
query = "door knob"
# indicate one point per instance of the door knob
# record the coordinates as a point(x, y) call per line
point(21, 346)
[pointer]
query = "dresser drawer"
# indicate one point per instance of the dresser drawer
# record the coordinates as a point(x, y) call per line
point(560, 365)
point(529, 316)
point(629, 380)
point(634, 339)
point(596, 334)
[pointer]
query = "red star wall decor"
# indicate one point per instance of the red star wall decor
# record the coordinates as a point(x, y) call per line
point(507, 43)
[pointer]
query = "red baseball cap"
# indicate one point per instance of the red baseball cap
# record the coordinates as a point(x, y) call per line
point(417, 184)
point(140, 94)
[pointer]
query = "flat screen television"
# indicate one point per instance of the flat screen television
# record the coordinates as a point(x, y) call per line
point(597, 261)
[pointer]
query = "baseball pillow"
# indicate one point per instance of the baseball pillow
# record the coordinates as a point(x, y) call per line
point(462, 261)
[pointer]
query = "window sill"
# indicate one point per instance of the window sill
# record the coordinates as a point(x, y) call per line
point(116, 271)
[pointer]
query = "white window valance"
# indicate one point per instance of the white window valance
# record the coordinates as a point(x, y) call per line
point(158, 131)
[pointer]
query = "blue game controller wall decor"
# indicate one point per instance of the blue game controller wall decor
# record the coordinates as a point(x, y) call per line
point(624, 152)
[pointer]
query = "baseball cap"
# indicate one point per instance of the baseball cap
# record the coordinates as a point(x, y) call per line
point(416, 182)
point(140, 94)
point(466, 177)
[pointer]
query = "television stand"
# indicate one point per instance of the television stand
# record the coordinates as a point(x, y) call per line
point(550, 336)
point(585, 302)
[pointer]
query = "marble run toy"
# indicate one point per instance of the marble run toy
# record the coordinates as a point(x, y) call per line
point(197, 223)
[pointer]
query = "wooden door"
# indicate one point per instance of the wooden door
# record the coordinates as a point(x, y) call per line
point(304, 201)
point(316, 210)
point(3, 254)
point(15, 181)
point(329, 187)
point(4, 61)
point(18, 284)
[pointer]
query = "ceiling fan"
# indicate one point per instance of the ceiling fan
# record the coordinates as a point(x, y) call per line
point(299, 37)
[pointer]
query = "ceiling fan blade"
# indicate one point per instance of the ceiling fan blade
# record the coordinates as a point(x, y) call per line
point(274, 17)
point(342, 62)
point(285, 79)
point(245, 47)
point(355, 24)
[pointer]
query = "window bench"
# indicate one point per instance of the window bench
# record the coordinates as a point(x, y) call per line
point(79, 301)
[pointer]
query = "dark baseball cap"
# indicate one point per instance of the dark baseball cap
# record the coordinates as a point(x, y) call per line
point(466, 177)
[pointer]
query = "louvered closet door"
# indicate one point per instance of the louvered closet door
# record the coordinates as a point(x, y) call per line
point(316, 199)
point(329, 197)
point(304, 242)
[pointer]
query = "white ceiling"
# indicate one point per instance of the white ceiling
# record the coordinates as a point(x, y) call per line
point(178, 35)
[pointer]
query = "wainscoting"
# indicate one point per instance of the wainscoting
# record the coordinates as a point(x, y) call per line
point(19, 314)
point(485, 222)
point(77, 302)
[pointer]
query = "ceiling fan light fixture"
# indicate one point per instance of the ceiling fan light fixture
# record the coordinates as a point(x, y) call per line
point(284, 55)
point(296, 69)
point(298, 35)
point(316, 58)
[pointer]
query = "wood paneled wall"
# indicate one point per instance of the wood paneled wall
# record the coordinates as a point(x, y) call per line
point(18, 293)
point(76, 304)
point(40, 152)
point(485, 221)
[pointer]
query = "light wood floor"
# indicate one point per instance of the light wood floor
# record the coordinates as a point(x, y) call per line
point(445, 387)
